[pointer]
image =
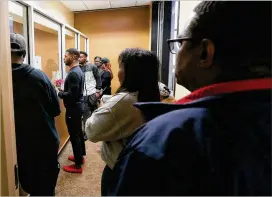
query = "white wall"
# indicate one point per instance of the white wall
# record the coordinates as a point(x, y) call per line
point(186, 8)
point(55, 9)
point(41, 23)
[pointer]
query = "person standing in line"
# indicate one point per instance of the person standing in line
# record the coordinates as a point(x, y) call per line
point(107, 65)
point(97, 62)
point(217, 140)
point(36, 104)
point(106, 77)
point(115, 121)
point(92, 87)
point(72, 96)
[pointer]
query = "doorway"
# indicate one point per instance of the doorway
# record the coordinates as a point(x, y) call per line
point(9, 178)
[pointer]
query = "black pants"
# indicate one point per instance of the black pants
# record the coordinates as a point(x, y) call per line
point(88, 110)
point(105, 180)
point(40, 177)
point(73, 122)
point(107, 91)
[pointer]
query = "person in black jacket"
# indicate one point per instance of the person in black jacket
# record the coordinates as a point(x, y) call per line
point(72, 96)
point(35, 106)
point(106, 77)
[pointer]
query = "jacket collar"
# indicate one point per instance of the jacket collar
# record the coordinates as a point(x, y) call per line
point(151, 110)
point(227, 87)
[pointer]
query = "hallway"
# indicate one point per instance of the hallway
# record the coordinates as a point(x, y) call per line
point(85, 184)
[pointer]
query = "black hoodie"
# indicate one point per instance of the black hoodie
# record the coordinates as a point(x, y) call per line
point(35, 106)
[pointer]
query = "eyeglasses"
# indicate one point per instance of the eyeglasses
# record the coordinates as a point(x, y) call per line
point(175, 44)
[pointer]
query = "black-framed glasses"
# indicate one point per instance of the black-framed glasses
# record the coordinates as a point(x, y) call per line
point(174, 45)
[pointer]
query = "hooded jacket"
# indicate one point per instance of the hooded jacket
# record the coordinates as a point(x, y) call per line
point(216, 141)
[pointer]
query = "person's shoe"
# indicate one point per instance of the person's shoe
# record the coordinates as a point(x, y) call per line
point(72, 158)
point(72, 169)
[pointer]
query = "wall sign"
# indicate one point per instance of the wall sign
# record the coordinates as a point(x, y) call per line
point(38, 62)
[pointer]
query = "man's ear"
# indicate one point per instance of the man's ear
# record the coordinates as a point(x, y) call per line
point(207, 54)
point(75, 57)
point(24, 54)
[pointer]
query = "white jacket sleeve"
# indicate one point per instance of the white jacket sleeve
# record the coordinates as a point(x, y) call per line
point(113, 121)
point(102, 126)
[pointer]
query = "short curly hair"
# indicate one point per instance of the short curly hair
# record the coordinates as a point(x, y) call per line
point(240, 31)
point(84, 53)
point(73, 51)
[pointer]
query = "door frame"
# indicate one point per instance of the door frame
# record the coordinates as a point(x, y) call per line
point(8, 148)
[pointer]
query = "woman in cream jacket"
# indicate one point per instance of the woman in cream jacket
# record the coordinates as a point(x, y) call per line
point(117, 119)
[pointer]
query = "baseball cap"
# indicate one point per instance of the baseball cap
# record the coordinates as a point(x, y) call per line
point(17, 42)
point(105, 60)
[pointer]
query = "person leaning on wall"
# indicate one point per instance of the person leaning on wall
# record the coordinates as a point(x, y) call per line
point(217, 140)
point(36, 104)
point(116, 120)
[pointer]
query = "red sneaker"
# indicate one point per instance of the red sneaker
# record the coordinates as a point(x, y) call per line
point(72, 158)
point(72, 168)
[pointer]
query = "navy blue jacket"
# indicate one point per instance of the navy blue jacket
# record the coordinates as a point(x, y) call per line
point(216, 145)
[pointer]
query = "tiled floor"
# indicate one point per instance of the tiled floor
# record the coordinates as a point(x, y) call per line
point(85, 184)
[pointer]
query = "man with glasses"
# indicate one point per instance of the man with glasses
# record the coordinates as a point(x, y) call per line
point(97, 61)
point(217, 140)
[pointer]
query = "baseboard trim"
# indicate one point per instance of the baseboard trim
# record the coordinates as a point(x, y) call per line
point(63, 146)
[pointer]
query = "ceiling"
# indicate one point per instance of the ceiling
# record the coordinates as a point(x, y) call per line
point(84, 5)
